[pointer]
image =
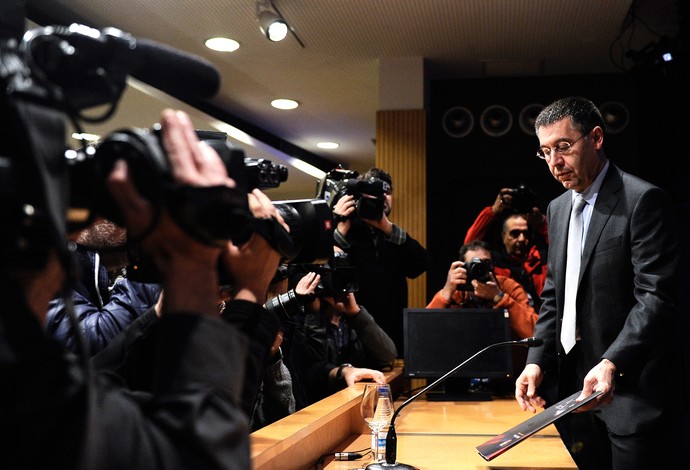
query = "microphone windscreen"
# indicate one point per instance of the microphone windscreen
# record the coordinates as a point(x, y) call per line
point(174, 71)
point(533, 342)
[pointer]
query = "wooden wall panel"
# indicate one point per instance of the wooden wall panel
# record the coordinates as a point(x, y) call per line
point(401, 151)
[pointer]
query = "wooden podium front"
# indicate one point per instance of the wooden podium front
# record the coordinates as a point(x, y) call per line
point(432, 435)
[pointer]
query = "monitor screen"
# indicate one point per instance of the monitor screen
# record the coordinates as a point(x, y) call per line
point(437, 340)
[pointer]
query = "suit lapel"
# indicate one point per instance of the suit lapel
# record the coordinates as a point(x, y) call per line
point(607, 199)
point(558, 242)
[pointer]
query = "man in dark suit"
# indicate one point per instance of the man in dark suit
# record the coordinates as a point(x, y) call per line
point(626, 341)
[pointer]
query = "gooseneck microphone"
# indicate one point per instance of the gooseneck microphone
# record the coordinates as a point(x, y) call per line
point(392, 439)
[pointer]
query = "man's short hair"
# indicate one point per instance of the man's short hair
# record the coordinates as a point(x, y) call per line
point(472, 246)
point(380, 174)
point(517, 215)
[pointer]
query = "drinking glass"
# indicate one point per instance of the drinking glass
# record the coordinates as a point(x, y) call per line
point(377, 410)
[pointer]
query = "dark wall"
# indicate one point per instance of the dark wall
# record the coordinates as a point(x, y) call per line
point(465, 172)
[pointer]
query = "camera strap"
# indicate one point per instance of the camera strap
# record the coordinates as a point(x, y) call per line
point(276, 235)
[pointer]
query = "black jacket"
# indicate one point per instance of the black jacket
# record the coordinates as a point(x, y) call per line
point(57, 412)
point(368, 347)
point(383, 267)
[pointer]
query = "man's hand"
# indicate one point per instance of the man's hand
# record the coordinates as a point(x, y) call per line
point(599, 378)
point(307, 284)
point(526, 388)
point(188, 267)
point(503, 201)
point(344, 209)
point(352, 375)
point(350, 305)
point(486, 290)
point(252, 265)
point(457, 276)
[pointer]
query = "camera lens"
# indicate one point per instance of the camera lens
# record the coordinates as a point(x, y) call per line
point(286, 305)
point(311, 229)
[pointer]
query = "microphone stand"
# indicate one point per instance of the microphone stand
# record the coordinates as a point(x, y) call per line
point(392, 438)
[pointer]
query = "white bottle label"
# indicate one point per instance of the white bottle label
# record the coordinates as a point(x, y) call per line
point(382, 445)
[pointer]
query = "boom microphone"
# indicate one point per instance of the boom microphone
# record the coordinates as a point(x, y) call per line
point(172, 70)
point(392, 438)
point(69, 55)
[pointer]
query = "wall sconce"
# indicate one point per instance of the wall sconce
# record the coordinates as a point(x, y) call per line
point(272, 23)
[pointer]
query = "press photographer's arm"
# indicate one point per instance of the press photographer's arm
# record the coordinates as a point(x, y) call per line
point(56, 411)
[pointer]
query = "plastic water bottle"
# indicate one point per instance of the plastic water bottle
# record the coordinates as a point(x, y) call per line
point(382, 444)
point(384, 412)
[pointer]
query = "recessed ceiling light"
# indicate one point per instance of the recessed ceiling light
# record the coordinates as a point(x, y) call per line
point(222, 44)
point(284, 104)
point(328, 145)
point(85, 136)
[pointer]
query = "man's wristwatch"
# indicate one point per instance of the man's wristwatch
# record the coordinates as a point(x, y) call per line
point(339, 373)
point(498, 297)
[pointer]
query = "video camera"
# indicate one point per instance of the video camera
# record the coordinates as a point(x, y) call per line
point(368, 193)
point(478, 269)
point(338, 278)
point(47, 190)
point(213, 215)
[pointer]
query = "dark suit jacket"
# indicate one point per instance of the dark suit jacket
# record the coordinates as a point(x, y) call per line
point(626, 301)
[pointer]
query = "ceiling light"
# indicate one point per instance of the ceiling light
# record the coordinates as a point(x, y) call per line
point(272, 23)
point(328, 145)
point(85, 136)
point(284, 104)
point(222, 44)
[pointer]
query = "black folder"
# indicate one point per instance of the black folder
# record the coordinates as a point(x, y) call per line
point(502, 442)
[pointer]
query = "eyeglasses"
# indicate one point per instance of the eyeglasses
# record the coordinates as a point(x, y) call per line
point(561, 148)
point(516, 233)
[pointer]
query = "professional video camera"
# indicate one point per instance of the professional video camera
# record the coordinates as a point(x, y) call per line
point(368, 193)
point(55, 73)
point(212, 216)
point(338, 278)
point(524, 199)
point(478, 269)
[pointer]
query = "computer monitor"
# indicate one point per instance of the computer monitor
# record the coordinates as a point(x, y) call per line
point(437, 340)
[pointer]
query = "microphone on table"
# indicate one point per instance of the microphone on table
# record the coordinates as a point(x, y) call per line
point(392, 439)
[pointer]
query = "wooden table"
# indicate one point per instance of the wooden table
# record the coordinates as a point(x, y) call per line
point(438, 435)
point(431, 435)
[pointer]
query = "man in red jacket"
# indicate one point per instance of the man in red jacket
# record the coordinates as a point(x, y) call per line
point(520, 253)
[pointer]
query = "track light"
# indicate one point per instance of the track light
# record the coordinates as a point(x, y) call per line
point(272, 23)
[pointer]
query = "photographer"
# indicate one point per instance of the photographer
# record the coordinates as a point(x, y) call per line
point(339, 343)
point(519, 247)
point(58, 412)
point(472, 283)
point(384, 255)
point(520, 200)
point(491, 290)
